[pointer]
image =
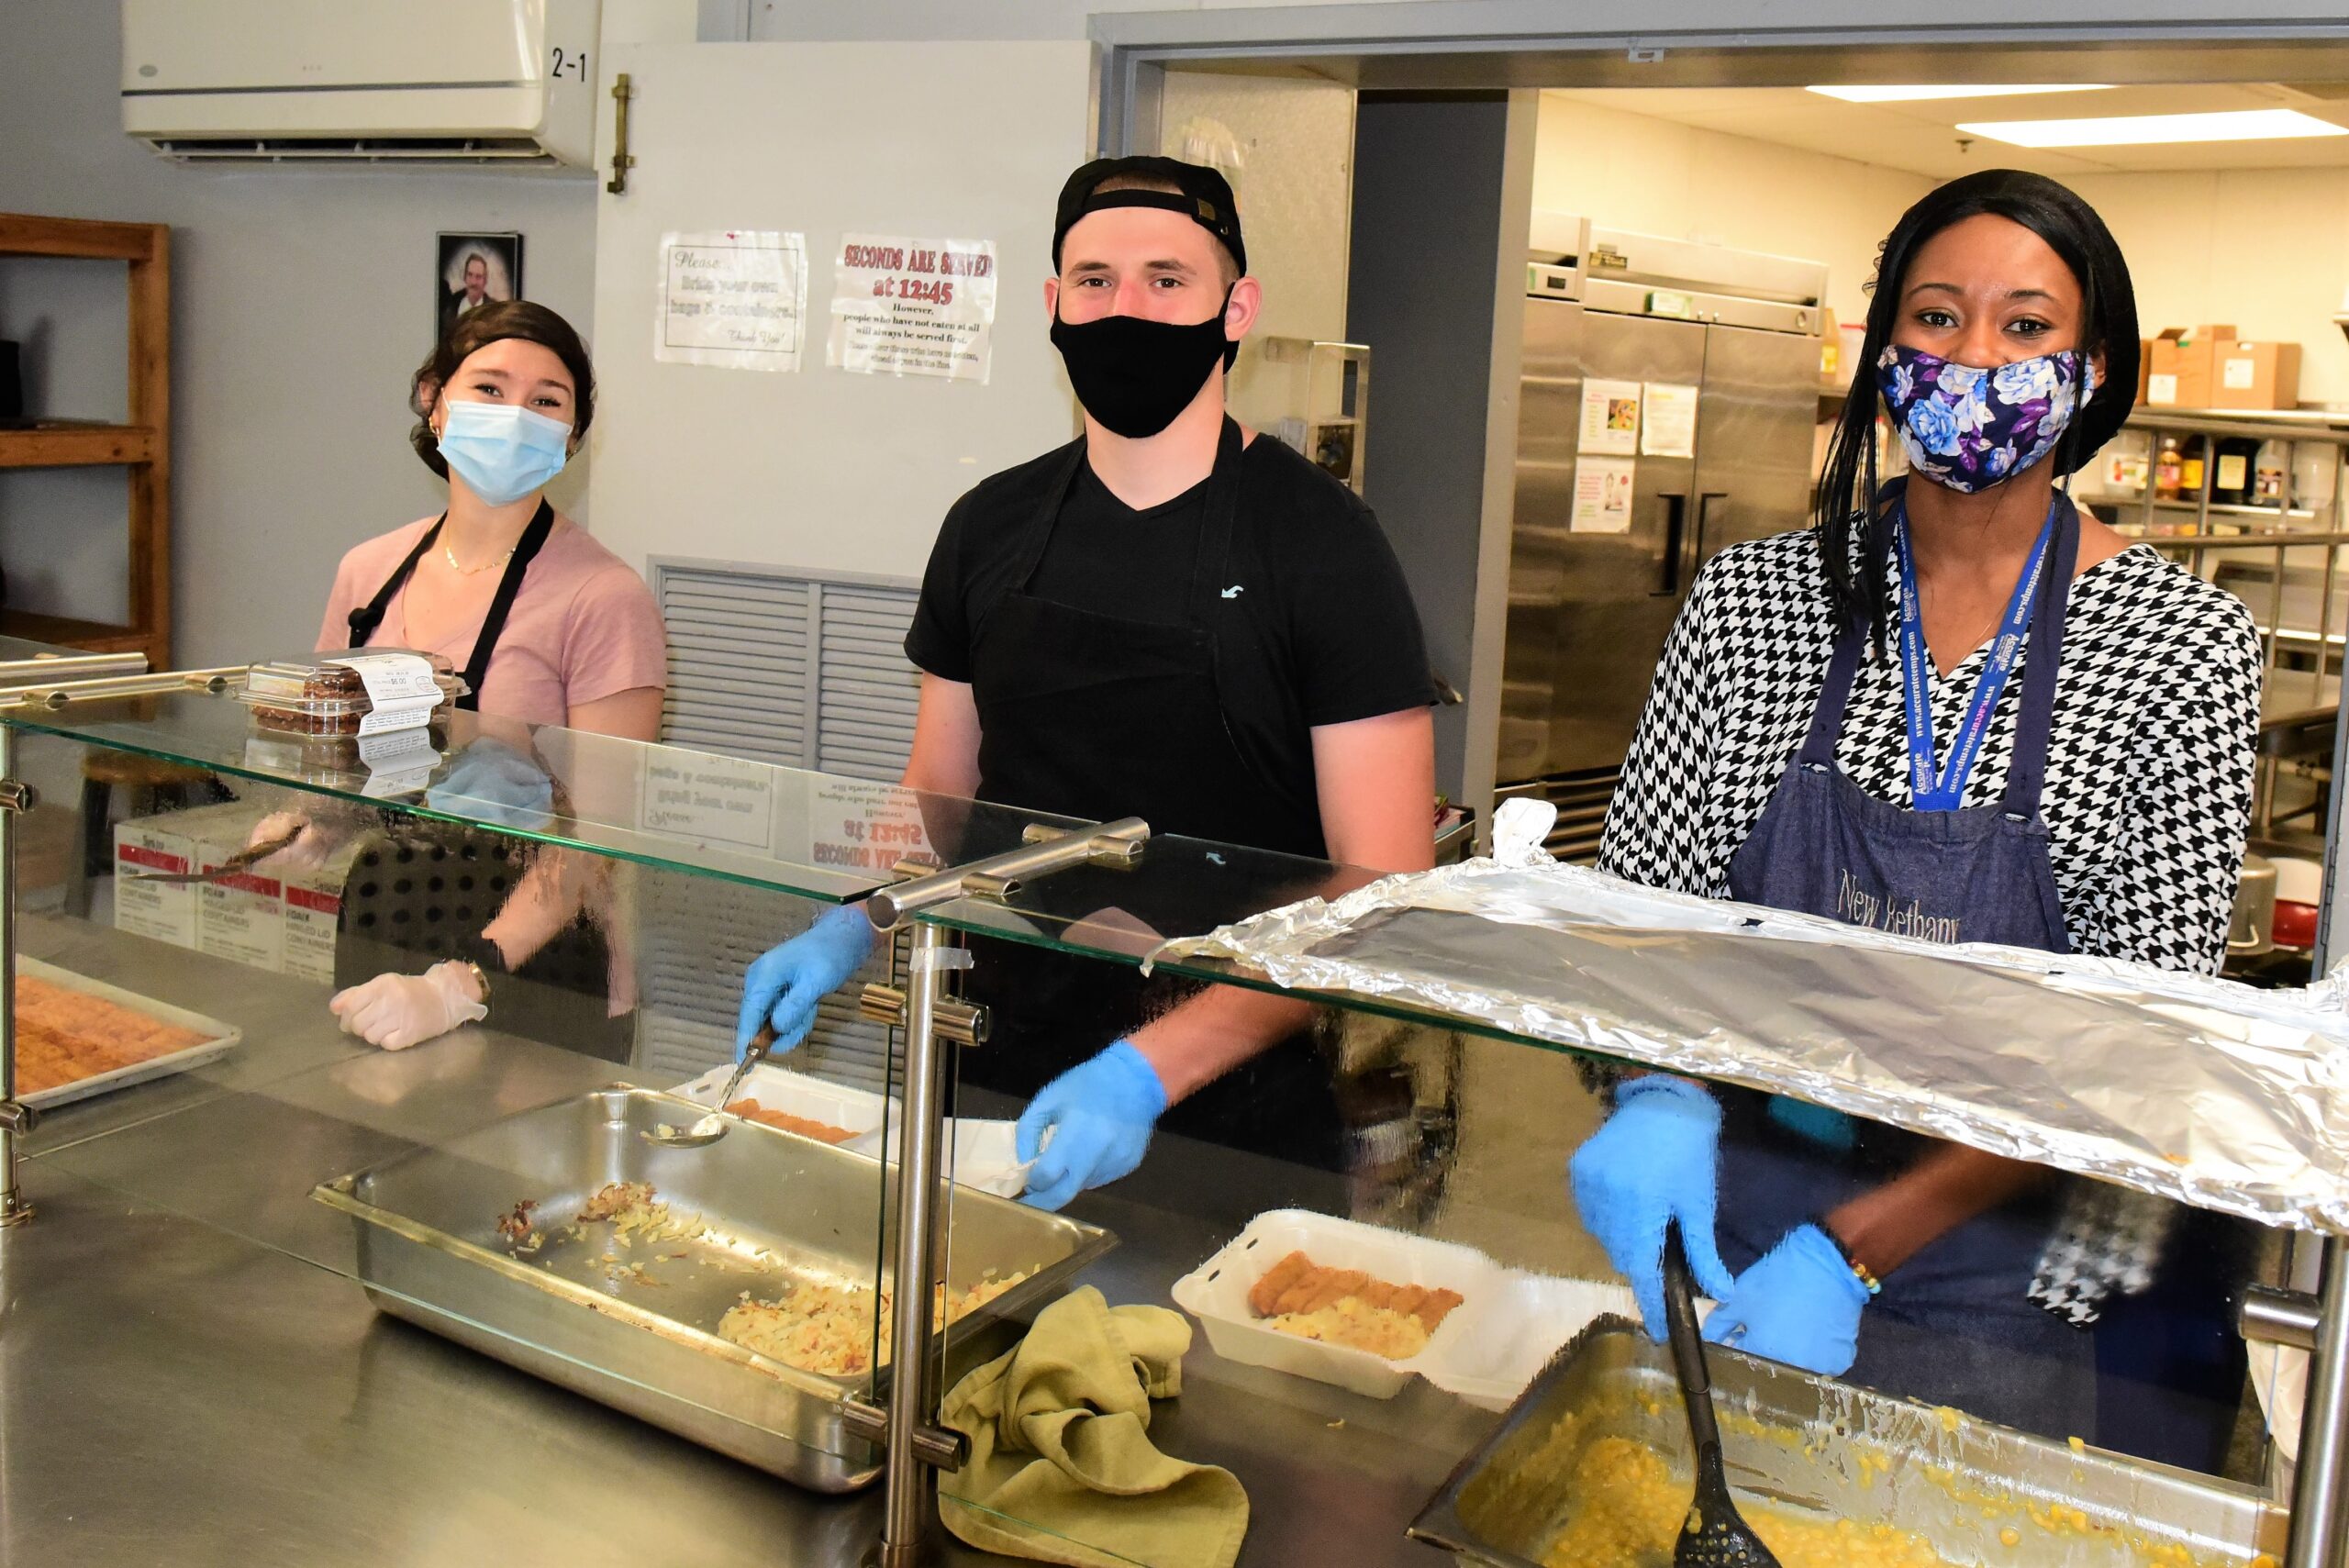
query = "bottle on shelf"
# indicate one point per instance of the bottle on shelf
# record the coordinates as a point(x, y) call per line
point(2193, 465)
point(2126, 467)
point(2269, 471)
point(2169, 470)
point(2230, 472)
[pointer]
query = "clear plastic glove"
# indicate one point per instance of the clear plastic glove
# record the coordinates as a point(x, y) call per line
point(491, 781)
point(1656, 1159)
point(784, 983)
point(1100, 1112)
point(397, 1011)
point(312, 844)
point(1799, 1304)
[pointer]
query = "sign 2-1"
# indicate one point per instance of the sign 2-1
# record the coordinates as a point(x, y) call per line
point(565, 61)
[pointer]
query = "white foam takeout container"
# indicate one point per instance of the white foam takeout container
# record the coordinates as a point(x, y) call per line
point(1486, 1351)
point(985, 1152)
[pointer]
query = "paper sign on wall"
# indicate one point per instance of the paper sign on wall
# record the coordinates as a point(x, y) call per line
point(904, 307)
point(1603, 488)
point(736, 299)
point(1610, 416)
point(709, 799)
point(1668, 422)
point(866, 827)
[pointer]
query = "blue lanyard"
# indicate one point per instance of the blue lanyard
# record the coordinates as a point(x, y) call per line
point(1945, 793)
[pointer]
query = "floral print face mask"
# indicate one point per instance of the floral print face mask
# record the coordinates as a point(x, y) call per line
point(1970, 428)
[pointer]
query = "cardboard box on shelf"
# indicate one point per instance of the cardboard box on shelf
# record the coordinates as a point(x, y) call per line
point(197, 839)
point(2181, 366)
point(2257, 376)
point(312, 911)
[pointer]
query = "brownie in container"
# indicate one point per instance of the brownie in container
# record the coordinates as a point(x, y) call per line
point(314, 695)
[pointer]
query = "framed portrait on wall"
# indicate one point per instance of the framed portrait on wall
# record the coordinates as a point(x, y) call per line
point(474, 270)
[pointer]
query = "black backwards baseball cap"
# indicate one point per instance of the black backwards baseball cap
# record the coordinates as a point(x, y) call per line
point(1206, 198)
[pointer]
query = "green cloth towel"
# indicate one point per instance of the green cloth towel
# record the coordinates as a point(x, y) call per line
point(1062, 1468)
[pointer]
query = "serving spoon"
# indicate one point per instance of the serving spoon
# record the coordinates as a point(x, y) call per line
point(1716, 1535)
point(715, 1126)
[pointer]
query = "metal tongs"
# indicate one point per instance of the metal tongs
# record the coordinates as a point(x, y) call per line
point(252, 854)
point(714, 1126)
point(1716, 1535)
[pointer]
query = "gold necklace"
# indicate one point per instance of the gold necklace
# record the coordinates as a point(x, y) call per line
point(451, 556)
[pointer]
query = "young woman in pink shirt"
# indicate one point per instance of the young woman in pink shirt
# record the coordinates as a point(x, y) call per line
point(548, 626)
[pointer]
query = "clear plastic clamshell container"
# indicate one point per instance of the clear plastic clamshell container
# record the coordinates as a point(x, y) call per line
point(354, 692)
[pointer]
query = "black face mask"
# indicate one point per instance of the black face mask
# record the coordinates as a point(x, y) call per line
point(1135, 375)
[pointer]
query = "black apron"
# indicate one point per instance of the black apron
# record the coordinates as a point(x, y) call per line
point(1096, 717)
point(1955, 1325)
point(425, 889)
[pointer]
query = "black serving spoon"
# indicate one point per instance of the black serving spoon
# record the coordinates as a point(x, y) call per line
point(1716, 1535)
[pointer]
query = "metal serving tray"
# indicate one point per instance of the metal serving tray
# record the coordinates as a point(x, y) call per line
point(1814, 1444)
point(429, 1251)
point(218, 1040)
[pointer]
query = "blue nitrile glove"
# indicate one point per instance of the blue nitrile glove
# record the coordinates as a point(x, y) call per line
point(1799, 1304)
point(1100, 1112)
point(1656, 1159)
point(784, 983)
point(493, 782)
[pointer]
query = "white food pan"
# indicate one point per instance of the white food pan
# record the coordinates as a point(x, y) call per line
point(796, 1093)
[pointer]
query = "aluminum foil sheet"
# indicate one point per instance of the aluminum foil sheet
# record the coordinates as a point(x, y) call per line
point(2220, 1094)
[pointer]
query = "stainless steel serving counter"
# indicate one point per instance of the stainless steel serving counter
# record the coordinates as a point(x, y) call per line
point(182, 1382)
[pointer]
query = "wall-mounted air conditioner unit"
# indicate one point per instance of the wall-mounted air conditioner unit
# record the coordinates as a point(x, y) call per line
point(383, 82)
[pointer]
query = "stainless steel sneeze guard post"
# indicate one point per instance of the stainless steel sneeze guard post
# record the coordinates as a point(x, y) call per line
point(924, 1209)
point(16, 1119)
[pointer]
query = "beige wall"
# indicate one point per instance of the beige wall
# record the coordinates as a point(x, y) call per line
point(2266, 250)
point(1654, 177)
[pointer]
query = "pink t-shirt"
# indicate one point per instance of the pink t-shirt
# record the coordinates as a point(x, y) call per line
point(583, 628)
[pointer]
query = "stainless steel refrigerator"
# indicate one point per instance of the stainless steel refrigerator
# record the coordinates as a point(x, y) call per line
point(1589, 607)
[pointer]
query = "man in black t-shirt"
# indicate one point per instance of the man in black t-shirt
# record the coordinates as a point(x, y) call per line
point(1171, 618)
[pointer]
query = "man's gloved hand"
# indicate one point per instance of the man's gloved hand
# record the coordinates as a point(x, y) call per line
point(1100, 1112)
point(397, 1011)
point(1656, 1159)
point(490, 781)
point(784, 983)
point(1799, 1304)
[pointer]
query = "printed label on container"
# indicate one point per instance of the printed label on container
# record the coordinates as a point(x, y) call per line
point(241, 917)
point(2239, 375)
point(397, 715)
point(902, 306)
point(311, 914)
point(163, 911)
point(393, 677)
point(2161, 389)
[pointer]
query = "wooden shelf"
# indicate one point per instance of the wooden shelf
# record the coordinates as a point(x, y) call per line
point(61, 444)
point(66, 631)
point(142, 445)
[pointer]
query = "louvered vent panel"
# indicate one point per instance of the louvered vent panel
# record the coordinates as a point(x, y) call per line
point(801, 672)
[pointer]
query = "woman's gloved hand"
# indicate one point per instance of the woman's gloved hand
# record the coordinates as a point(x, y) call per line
point(312, 843)
point(1100, 1112)
point(1656, 1159)
point(397, 1011)
point(492, 783)
point(1799, 1304)
point(784, 983)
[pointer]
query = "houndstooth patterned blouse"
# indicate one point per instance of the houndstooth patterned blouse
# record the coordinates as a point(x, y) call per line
point(2149, 771)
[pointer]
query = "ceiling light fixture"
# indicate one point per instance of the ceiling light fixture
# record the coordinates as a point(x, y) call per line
point(1977, 90)
point(2143, 131)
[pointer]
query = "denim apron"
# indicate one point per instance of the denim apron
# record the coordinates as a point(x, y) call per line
point(1955, 1324)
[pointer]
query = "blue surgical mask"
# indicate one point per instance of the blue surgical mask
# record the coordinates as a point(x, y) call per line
point(503, 453)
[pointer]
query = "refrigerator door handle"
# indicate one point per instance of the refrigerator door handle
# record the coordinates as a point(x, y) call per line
point(1668, 565)
point(1697, 538)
